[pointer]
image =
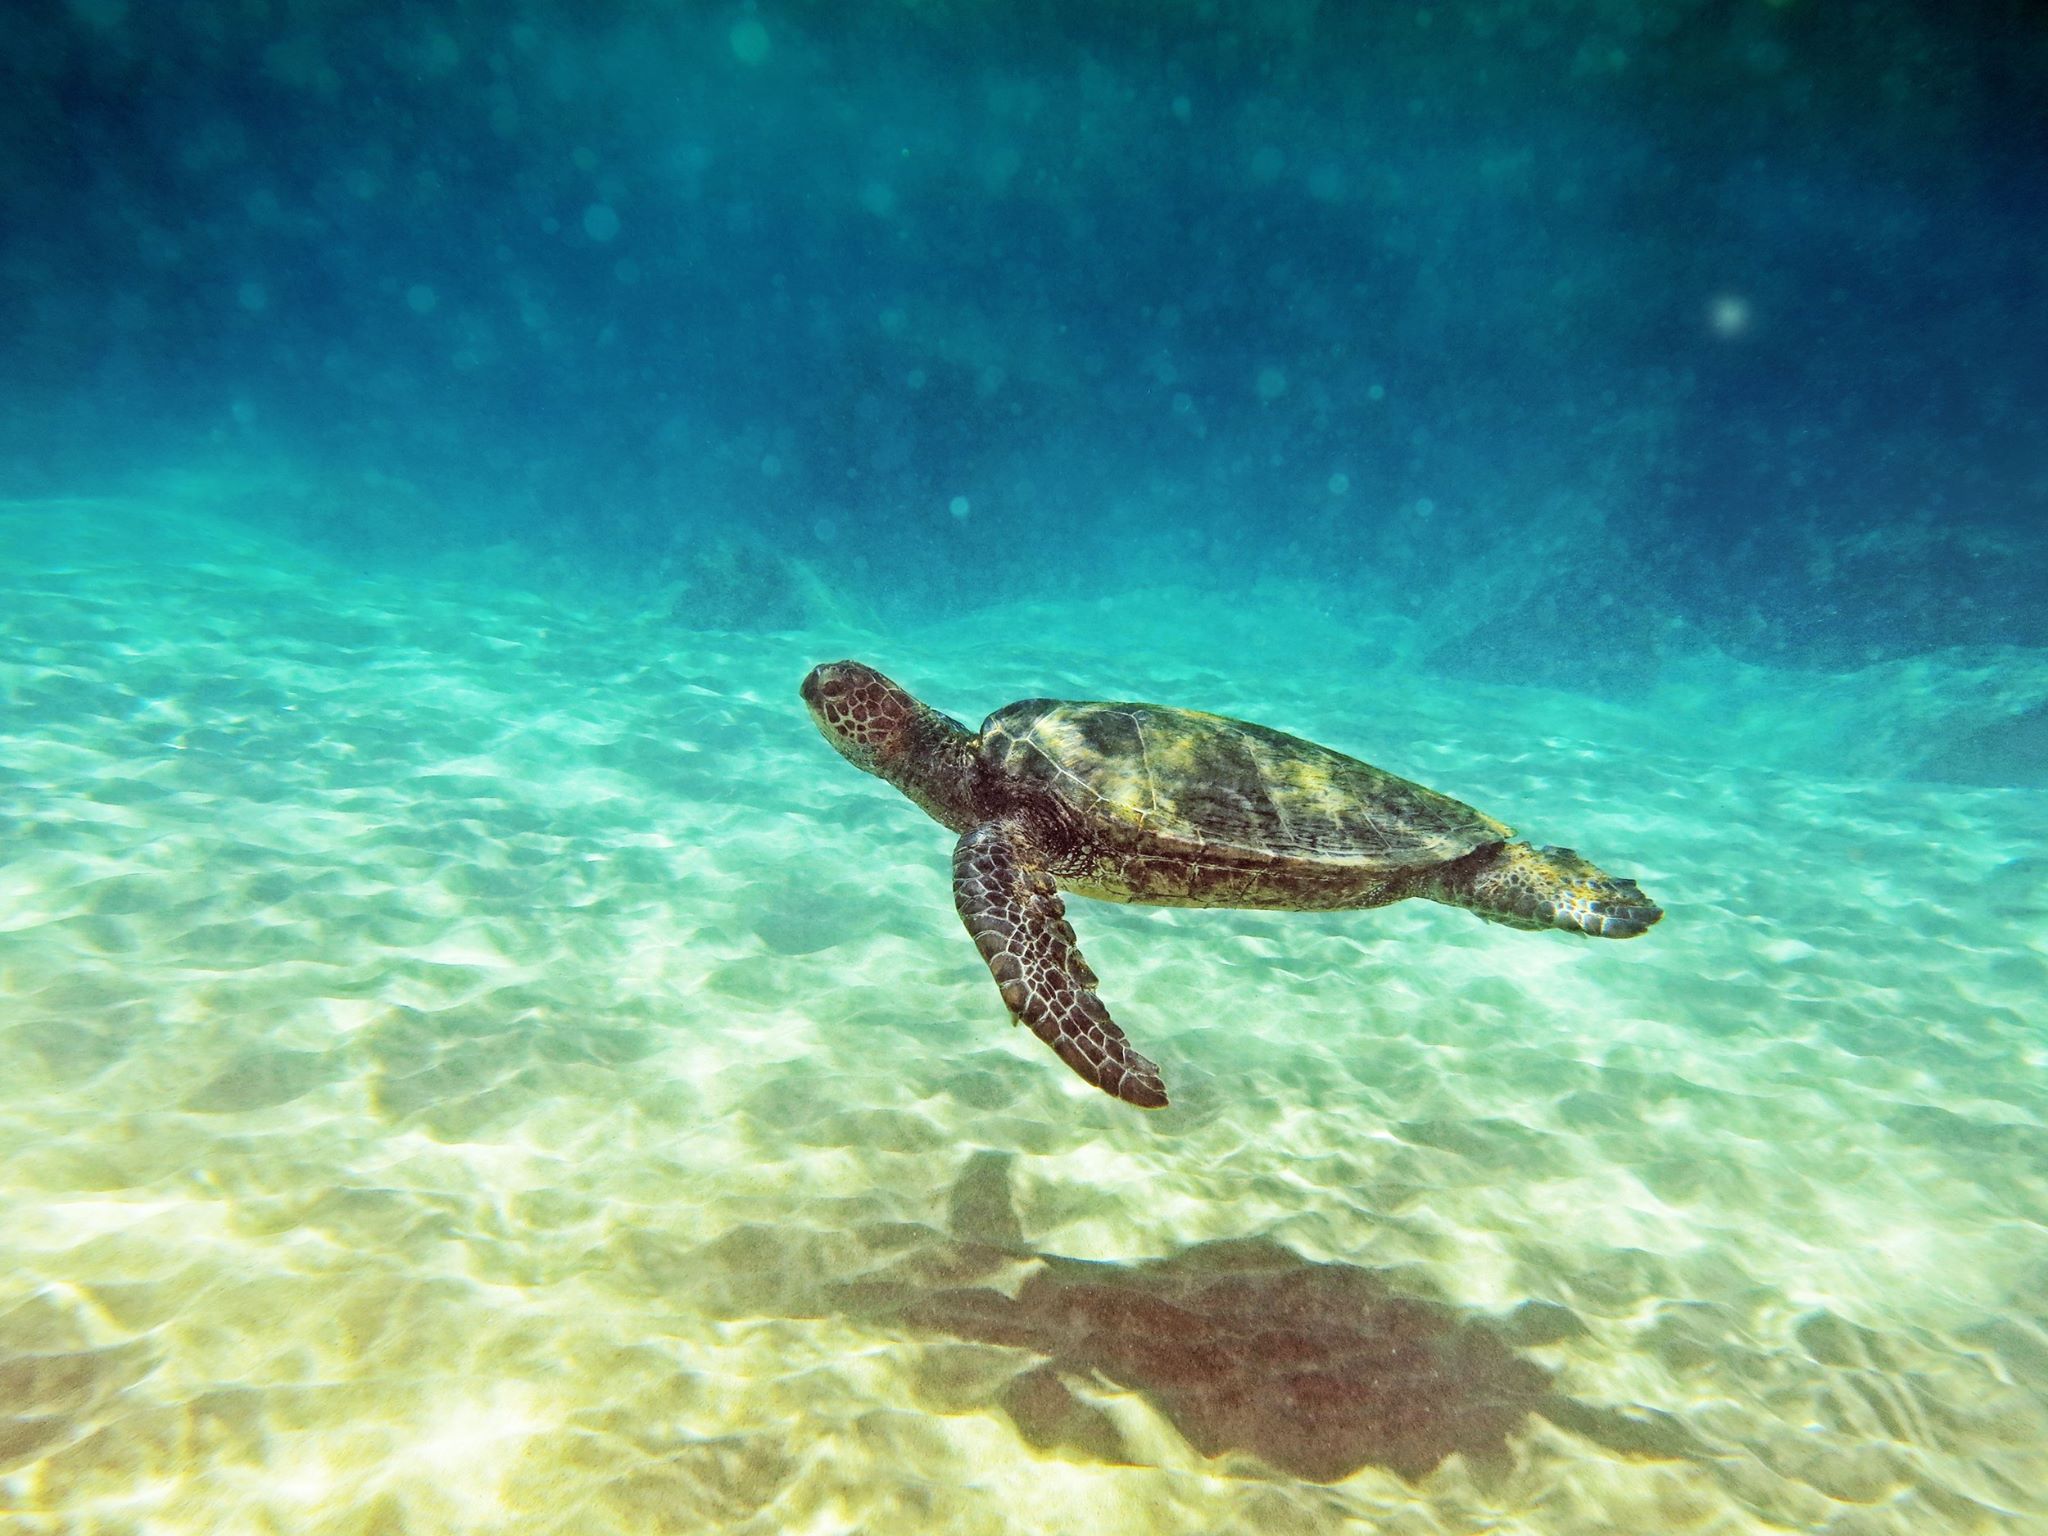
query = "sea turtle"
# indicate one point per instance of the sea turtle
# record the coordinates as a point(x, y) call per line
point(1171, 807)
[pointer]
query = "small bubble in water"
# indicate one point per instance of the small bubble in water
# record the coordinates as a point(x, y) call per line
point(601, 222)
point(824, 530)
point(748, 40)
point(420, 298)
point(1183, 404)
point(1729, 315)
point(1272, 383)
point(959, 506)
point(253, 297)
point(1339, 484)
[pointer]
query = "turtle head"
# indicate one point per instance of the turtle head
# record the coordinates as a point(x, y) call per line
point(869, 720)
point(880, 728)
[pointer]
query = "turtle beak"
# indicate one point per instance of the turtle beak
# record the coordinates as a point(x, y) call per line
point(813, 692)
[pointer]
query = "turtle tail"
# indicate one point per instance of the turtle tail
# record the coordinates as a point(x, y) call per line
point(1527, 887)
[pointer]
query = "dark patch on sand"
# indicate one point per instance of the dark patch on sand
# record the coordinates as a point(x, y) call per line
point(1247, 1347)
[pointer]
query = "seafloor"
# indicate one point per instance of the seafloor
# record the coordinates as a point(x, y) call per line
point(478, 1062)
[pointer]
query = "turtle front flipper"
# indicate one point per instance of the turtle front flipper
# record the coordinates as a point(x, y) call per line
point(1013, 910)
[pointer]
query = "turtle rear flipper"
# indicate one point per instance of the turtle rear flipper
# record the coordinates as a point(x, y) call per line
point(1527, 887)
point(1013, 911)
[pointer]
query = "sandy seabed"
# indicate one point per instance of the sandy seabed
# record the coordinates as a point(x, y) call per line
point(474, 1062)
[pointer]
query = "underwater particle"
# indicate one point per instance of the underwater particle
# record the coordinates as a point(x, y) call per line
point(1377, 392)
point(627, 270)
point(1000, 165)
point(437, 54)
point(1729, 315)
point(1339, 483)
point(1424, 508)
point(771, 466)
point(100, 15)
point(959, 506)
point(1183, 404)
point(1183, 109)
point(879, 198)
point(1271, 383)
point(601, 222)
point(263, 207)
point(824, 530)
point(1326, 184)
point(1268, 163)
point(253, 297)
point(915, 379)
point(420, 298)
point(748, 40)
point(1767, 56)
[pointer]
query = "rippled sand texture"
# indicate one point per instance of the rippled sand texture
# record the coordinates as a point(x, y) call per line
point(474, 1063)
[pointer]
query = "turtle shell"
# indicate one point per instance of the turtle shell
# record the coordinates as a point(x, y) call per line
point(1181, 781)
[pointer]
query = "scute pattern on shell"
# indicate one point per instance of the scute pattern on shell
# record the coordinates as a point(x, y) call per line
point(1152, 780)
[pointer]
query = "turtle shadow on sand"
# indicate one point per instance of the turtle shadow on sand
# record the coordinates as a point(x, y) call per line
point(1316, 1369)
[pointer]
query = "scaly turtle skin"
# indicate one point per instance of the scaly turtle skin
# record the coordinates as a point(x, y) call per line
point(1171, 807)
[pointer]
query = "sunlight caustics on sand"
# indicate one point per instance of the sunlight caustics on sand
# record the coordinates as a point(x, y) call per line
point(463, 1057)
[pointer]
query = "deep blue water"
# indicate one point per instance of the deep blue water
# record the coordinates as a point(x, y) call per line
point(1732, 312)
